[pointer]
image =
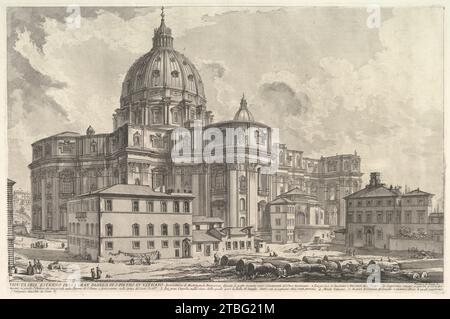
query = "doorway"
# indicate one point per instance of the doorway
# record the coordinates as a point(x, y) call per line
point(186, 248)
point(369, 238)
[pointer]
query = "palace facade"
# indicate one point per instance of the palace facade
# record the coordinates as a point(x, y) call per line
point(163, 91)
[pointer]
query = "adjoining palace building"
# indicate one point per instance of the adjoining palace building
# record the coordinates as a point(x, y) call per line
point(162, 91)
point(385, 218)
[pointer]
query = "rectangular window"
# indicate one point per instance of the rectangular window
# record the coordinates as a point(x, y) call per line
point(135, 206)
point(389, 217)
point(176, 244)
point(278, 221)
point(177, 253)
point(421, 218)
point(242, 245)
point(150, 244)
point(359, 218)
point(164, 207)
point(165, 244)
point(408, 217)
point(379, 235)
point(108, 205)
point(136, 244)
point(278, 238)
point(198, 247)
point(149, 206)
point(109, 245)
point(379, 217)
point(216, 246)
point(249, 244)
point(359, 234)
point(235, 245)
point(228, 245)
point(368, 217)
point(350, 218)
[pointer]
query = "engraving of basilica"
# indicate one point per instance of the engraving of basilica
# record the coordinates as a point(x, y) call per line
point(162, 91)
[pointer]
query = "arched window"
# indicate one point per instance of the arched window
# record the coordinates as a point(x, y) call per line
point(301, 219)
point(164, 207)
point(87, 229)
point(156, 116)
point(92, 229)
point(93, 146)
point(135, 230)
point(281, 159)
point(242, 222)
point(242, 183)
point(150, 230)
point(242, 205)
point(136, 139)
point(176, 230)
point(219, 181)
point(78, 228)
point(109, 230)
point(176, 207)
point(186, 207)
point(164, 230)
point(175, 116)
point(186, 229)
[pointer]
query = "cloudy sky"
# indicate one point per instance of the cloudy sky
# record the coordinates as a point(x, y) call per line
point(321, 75)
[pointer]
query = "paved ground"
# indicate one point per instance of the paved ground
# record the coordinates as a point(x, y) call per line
point(190, 269)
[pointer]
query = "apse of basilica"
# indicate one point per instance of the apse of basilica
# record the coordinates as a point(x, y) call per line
point(163, 90)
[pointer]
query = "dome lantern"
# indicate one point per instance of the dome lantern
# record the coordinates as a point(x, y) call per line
point(163, 35)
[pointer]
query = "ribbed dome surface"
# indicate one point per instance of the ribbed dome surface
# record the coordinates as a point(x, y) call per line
point(163, 67)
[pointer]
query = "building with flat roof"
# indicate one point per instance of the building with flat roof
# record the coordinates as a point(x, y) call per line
point(130, 219)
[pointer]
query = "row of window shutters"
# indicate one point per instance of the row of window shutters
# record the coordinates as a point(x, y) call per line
point(136, 244)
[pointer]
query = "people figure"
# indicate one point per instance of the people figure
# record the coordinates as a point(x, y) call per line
point(39, 266)
point(99, 272)
point(30, 270)
point(93, 275)
point(111, 261)
point(132, 261)
point(216, 258)
point(158, 255)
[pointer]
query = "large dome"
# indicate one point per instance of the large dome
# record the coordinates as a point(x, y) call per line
point(163, 68)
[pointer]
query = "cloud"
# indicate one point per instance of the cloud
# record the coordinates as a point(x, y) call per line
point(330, 84)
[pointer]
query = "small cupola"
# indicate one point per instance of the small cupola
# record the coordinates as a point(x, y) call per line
point(243, 114)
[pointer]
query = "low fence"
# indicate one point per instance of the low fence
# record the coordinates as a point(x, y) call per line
point(420, 244)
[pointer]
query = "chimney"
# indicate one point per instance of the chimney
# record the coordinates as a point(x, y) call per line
point(375, 179)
